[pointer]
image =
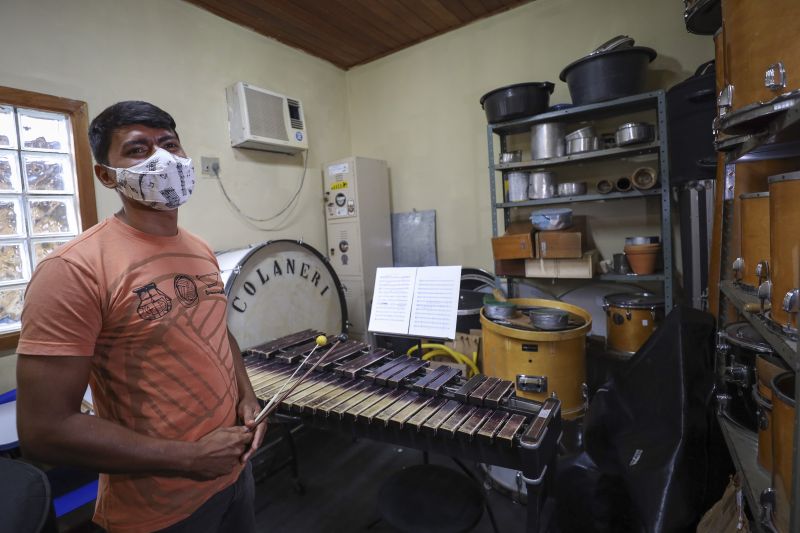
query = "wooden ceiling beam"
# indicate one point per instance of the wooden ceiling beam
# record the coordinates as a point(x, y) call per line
point(353, 32)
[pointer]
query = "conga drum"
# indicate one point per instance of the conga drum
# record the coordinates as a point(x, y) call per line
point(277, 288)
point(762, 56)
point(783, 417)
point(767, 368)
point(751, 267)
point(630, 319)
point(541, 363)
point(784, 190)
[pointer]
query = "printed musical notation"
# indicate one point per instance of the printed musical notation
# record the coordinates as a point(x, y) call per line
point(416, 301)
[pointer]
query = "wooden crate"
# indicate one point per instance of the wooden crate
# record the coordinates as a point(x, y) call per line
point(582, 268)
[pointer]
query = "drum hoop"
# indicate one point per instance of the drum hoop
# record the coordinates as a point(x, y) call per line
point(336, 281)
point(789, 176)
point(778, 392)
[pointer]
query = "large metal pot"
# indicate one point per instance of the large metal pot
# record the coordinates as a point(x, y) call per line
point(609, 75)
point(547, 140)
point(541, 185)
point(517, 186)
point(516, 101)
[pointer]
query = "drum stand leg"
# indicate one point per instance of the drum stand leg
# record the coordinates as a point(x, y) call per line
point(472, 476)
point(540, 505)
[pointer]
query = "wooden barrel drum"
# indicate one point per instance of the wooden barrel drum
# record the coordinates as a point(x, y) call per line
point(630, 319)
point(540, 363)
point(751, 267)
point(762, 58)
point(784, 191)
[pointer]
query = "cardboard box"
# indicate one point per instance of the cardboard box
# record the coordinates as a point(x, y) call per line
point(567, 243)
point(582, 268)
point(517, 243)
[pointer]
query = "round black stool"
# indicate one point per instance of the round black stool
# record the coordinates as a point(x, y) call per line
point(430, 499)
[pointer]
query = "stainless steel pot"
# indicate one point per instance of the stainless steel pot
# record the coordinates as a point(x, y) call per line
point(541, 185)
point(517, 186)
point(582, 144)
point(500, 310)
point(511, 157)
point(586, 131)
point(547, 140)
point(575, 188)
point(634, 133)
point(551, 219)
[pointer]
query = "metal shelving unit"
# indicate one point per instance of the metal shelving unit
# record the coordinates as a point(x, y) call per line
point(651, 101)
point(743, 444)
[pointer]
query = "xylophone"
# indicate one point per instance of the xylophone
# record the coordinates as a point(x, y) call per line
point(369, 392)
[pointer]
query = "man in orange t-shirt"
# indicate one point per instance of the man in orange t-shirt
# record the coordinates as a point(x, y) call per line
point(135, 308)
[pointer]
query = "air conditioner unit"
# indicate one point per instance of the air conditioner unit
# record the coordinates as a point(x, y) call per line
point(264, 120)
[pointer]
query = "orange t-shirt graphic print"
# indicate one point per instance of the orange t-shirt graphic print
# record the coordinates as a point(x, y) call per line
point(150, 311)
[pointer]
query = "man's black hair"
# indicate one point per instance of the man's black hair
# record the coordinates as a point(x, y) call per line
point(124, 114)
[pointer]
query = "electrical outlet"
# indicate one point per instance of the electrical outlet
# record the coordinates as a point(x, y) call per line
point(207, 165)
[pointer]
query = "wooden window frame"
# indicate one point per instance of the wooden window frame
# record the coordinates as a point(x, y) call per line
point(78, 113)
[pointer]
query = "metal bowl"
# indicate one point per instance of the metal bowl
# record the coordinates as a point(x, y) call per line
point(551, 219)
point(574, 188)
point(499, 310)
point(642, 240)
point(549, 318)
point(582, 133)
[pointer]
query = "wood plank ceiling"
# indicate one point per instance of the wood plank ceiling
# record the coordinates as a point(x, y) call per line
point(353, 32)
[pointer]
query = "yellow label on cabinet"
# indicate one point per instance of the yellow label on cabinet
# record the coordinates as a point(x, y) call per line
point(338, 185)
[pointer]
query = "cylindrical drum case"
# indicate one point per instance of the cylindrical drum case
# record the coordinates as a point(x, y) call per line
point(767, 367)
point(784, 248)
point(762, 52)
point(540, 363)
point(755, 243)
point(783, 409)
point(630, 319)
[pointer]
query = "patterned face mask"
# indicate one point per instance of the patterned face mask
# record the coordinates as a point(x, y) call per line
point(163, 181)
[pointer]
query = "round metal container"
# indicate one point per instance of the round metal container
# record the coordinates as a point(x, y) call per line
point(784, 247)
point(541, 185)
point(630, 319)
point(547, 140)
point(549, 318)
point(500, 310)
point(540, 363)
point(517, 186)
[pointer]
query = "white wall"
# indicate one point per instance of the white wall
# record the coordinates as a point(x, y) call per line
point(419, 109)
point(181, 58)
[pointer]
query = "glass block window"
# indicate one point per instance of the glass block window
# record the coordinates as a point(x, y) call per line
point(38, 201)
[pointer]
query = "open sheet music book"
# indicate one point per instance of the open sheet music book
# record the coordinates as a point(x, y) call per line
point(418, 301)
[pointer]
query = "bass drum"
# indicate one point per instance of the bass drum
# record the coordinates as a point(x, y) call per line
point(280, 287)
